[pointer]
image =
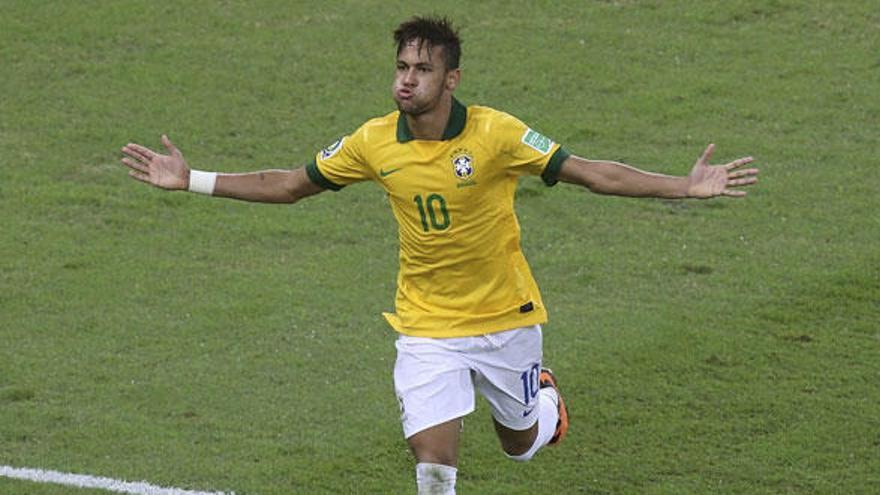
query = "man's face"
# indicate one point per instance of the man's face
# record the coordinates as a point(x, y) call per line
point(421, 79)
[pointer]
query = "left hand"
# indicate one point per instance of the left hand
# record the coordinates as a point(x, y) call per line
point(708, 181)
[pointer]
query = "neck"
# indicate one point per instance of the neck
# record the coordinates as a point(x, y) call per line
point(431, 124)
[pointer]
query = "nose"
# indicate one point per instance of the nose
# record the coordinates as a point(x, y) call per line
point(409, 77)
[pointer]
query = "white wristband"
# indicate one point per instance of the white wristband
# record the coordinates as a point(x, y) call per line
point(202, 182)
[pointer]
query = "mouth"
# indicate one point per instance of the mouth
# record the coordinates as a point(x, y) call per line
point(404, 94)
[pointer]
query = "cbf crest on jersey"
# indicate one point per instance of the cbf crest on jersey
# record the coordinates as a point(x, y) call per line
point(463, 167)
point(332, 149)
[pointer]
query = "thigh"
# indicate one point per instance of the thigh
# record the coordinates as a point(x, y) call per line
point(433, 384)
point(507, 376)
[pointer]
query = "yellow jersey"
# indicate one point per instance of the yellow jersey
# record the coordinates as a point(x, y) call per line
point(462, 271)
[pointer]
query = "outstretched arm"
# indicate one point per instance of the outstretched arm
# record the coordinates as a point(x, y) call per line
point(172, 173)
point(704, 180)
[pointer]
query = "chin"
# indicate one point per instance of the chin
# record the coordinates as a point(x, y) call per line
point(410, 109)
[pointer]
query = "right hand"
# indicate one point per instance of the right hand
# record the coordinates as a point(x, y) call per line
point(165, 171)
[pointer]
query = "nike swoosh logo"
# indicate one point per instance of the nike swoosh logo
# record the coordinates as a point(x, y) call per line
point(386, 173)
point(526, 413)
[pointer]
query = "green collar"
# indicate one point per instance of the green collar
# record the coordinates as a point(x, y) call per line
point(457, 119)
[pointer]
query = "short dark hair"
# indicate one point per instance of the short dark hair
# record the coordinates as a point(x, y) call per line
point(435, 31)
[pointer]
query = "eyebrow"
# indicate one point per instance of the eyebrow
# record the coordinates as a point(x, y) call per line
point(417, 65)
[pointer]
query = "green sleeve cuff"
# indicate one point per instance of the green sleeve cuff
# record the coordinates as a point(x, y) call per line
point(550, 176)
point(318, 178)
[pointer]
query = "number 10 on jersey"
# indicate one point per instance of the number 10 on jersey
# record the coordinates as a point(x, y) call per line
point(433, 212)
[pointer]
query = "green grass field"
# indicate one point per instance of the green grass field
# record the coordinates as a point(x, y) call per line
point(722, 346)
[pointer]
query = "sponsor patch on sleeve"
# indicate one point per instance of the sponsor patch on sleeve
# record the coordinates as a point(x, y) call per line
point(332, 149)
point(537, 141)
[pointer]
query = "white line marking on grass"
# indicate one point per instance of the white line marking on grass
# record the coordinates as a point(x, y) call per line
point(86, 481)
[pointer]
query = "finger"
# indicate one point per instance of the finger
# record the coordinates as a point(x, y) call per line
point(127, 150)
point(742, 173)
point(707, 154)
point(742, 182)
point(733, 193)
point(134, 174)
point(135, 165)
point(137, 151)
point(739, 163)
point(169, 145)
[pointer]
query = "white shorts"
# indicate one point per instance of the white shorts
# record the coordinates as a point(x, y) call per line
point(435, 378)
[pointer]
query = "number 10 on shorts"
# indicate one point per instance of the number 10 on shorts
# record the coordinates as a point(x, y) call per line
point(530, 382)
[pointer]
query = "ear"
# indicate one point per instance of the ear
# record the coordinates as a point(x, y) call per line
point(453, 77)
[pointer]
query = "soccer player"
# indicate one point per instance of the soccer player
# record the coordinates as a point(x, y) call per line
point(467, 310)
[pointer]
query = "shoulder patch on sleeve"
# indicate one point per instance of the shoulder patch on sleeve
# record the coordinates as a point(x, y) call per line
point(331, 150)
point(537, 141)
